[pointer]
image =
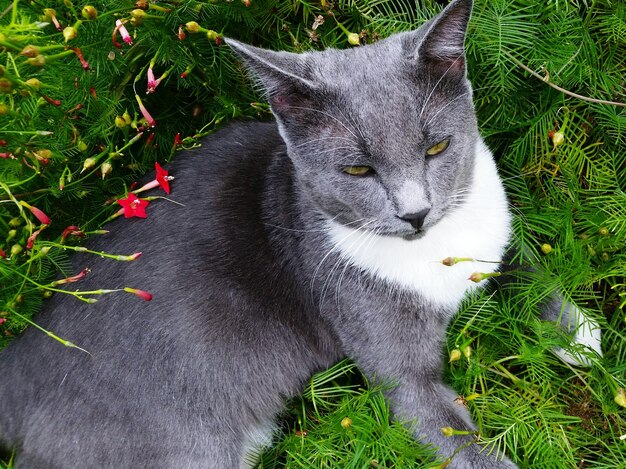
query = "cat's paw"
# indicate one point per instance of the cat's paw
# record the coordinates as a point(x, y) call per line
point(587, 334)
point(481, 461)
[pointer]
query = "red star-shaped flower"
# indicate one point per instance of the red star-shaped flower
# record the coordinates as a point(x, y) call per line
point(134, 206)
point(163, 178)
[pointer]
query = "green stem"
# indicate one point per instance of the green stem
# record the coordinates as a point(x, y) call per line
point(547, 81)
point(117, 257)
point(50, 334)
point(111, 12)
point(43, 133)
point(152, 6)
point(14, 13)
point(76, 294)
point(19, 206)
point(8, 45)
point(60, 55)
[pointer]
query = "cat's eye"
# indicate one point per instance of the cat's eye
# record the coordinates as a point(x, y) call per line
point(438, 148)
point(358, 170)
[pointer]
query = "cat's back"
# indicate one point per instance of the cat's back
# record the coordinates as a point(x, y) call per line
point(189, 239)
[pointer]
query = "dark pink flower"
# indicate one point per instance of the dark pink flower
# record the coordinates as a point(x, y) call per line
point(54, 102)
point(72, 230)
point(79, 54)
point(119, 26)
point(152, 82)
point(124, 32)
point(163, 178)
point(72, 279)
point(31, 239)
point(134, 206)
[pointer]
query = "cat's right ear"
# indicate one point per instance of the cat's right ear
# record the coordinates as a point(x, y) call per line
point(284, 76)
point(442, 46)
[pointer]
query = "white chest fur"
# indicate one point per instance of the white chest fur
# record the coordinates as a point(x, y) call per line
point(479, 230)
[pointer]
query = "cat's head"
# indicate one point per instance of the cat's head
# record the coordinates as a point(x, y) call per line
point(381, 136)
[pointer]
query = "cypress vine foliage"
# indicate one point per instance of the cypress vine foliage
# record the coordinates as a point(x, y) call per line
point(80, 123)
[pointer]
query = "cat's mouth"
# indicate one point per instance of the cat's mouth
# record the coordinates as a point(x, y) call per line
point(413, 236)
point(405, 234)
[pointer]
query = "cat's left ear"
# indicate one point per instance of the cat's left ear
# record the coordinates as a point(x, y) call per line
point(284, 76)
point(443, 45)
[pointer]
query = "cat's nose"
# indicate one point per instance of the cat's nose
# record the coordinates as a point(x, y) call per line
point(416, 219)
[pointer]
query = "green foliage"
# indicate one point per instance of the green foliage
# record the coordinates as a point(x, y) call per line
point(571, 196)
point(341, 422)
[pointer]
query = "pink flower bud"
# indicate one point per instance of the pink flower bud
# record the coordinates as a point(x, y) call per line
point(132, 257)
point(145, 113)
point(42, 217)
point(478, 277)
point(144, 295)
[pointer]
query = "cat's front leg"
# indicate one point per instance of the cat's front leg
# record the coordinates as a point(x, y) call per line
point(403, 347)
point(437, 416)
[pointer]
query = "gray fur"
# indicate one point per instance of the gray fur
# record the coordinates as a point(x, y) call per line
point(243, 313)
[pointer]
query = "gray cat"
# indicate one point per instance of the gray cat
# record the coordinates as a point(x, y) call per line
point(301, 241)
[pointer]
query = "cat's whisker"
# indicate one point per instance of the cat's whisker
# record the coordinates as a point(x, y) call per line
point(371, 235)
point(470, 92)
point(335, 267)
point(295, 230)
point(326, 229)
point(436, 85)
point(354, 123)
point(527, 173)
point(335, 247)
point(443, 108)
point(328, 115)
point(461, 192)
